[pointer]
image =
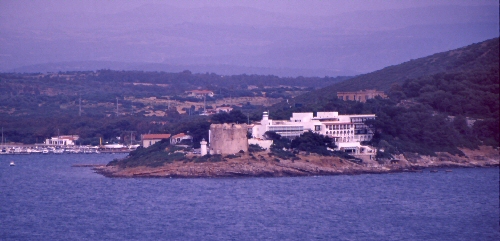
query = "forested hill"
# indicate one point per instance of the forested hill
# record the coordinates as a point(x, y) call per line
point(476, 57)
point(438, 103)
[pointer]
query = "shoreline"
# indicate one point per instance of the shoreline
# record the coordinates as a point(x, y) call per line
point(105, 171)
point(264, 165)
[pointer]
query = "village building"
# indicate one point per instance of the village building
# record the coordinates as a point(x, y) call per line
point(209, 112)
point(200, 93)
point(226, 109)
point(150, 139)
point(66, 140)
point(348, 131)
point(176, 139)
point(361, 96)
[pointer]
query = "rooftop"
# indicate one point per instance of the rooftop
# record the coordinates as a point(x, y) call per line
point(155, 136)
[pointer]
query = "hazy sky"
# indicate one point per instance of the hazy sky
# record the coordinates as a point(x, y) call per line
point(309, 7)
point(252, 36)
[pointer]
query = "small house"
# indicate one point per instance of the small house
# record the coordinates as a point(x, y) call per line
point(177, 139)
point(151, 139)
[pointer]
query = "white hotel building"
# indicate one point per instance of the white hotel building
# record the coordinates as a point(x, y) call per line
point(346, 130)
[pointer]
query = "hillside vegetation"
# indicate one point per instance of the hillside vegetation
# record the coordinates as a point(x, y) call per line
point(438, 103)
point(479, 57)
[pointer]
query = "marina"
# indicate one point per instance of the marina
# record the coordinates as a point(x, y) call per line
point(57, 150)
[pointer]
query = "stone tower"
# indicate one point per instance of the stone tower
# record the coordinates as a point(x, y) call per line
point(228, 138)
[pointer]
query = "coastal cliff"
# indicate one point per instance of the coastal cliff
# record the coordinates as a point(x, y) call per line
point(263, 165)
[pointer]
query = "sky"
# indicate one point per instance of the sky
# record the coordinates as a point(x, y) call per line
point(310, 7)
point(285, 38)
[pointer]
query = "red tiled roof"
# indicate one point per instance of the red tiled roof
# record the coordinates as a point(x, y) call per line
point(155, 136)
point(179, 135)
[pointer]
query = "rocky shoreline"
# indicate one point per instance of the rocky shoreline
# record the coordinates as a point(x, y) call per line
point(263, 165)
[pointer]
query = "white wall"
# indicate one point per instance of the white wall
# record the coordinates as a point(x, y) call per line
point(266, 144)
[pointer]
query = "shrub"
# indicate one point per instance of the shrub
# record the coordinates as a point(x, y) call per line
point(281, 153)
point(153, 156)
point(312, 142)
point(254, 148)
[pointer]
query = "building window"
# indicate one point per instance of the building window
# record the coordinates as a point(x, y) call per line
point(347, 98)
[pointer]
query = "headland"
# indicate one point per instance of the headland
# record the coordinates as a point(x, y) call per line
point(262, 164)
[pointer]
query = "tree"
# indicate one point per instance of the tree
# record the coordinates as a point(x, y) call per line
point(312, 142)
point(234, 116)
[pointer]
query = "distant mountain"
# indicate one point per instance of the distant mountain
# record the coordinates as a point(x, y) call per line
point(218, 69)
point(476, 57)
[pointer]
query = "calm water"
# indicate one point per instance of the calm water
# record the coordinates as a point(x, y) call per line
point(44, 198)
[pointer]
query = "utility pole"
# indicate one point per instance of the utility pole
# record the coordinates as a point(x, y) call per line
point(80, 103)
point(205, 103)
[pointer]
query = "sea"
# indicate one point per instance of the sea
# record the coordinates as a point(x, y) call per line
point(43, 197)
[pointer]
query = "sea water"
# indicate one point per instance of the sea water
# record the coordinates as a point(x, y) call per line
point(43, 198)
